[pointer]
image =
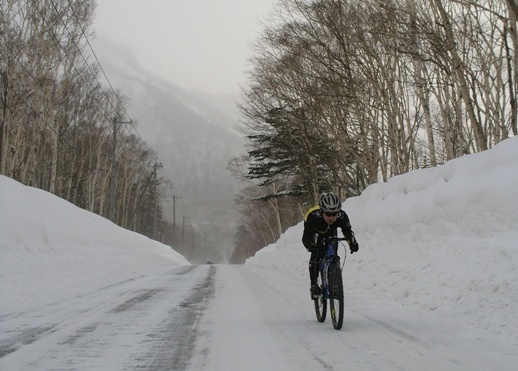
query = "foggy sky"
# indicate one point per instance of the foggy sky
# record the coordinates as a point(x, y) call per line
point(197, 44)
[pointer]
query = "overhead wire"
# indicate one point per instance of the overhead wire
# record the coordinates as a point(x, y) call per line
point(85, 36)
point(83, 31)
point(93, 74)
point(113, 90)
point(30, 74)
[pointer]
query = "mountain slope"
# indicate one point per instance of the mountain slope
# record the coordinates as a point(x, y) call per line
point(194, 141)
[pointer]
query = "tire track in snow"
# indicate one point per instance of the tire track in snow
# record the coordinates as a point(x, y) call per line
point(172, 343)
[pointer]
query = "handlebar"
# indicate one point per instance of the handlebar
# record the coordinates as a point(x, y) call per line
point(333, 247)
point(332, 239)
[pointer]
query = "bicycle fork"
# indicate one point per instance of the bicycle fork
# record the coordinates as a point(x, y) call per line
point(325, 280)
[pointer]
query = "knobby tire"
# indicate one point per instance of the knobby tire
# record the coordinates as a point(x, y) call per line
point(320, 302)
point(336, 301)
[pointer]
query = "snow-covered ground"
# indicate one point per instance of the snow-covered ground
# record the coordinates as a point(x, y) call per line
point(436, 245)
point(441, 240)
point(51, 250)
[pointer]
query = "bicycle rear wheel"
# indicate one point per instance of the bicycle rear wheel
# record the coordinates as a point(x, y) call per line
point(321, 301)
point(336, 301)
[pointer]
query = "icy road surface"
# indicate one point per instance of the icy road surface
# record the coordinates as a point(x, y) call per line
point(234, 317)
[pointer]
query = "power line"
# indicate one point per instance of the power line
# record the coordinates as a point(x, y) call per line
point(81, 76)
point(83, 32)
point(112, 89)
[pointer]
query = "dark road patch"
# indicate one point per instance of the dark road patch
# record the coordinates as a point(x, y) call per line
point(141, 297)
point(173, 343)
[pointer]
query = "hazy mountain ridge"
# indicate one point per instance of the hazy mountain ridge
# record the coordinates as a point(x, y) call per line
point(194, 140)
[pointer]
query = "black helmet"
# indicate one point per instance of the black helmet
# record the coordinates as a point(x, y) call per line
point(329, 202)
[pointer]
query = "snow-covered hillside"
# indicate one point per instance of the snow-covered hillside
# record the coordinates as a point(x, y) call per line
point(194, 139)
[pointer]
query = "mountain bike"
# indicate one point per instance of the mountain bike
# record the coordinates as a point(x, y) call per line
point(331, 286)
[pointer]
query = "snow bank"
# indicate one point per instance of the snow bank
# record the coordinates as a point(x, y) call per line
point(441, 240)
point(51, 249)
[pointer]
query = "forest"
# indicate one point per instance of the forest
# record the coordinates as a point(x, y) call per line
point(346, 93)
point(340, 94)
point(64, 130)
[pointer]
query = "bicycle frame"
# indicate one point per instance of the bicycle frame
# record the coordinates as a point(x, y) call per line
point(331, 254)
point(331, 284)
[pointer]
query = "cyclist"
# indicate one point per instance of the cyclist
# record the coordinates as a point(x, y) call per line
point(320, 222)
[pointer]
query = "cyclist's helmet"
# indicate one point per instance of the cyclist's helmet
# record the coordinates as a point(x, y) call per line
point(329, 202)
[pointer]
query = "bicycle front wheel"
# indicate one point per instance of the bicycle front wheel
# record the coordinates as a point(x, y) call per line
point(321, 301)
point(336, 301)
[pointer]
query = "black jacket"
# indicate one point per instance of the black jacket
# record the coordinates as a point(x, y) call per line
point(315, 225)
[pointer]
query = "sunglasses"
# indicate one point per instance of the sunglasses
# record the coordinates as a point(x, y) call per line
point(331, 214)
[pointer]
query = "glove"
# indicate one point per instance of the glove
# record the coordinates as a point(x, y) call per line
point(321, 241)
point(354, 246)
point(318, 242)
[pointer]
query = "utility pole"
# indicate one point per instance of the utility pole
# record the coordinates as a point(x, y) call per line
point(174, 209)
point(183, 228)
point(192, 246)
point(155, 201)
point(113, 175)
point(174, 217)
point(184, 247)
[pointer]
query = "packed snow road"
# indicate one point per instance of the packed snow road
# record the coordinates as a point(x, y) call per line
point(222, 317)
point(146, 323)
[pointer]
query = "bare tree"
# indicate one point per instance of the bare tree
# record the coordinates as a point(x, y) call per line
point(56, 118)
point(384, 86)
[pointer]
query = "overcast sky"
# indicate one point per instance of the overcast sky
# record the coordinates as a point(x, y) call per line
point(196, 44)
